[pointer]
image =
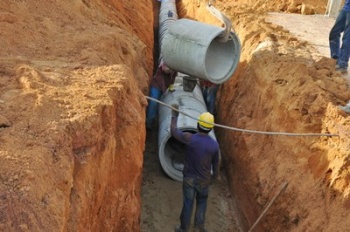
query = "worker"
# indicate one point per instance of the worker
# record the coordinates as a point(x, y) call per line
point(209, 91)
point(341, 52)
point(201, 157)
point(162, 80)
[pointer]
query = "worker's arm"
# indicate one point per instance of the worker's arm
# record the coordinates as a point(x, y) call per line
point(179, 135)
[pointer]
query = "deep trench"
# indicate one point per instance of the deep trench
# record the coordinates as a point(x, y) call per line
point(235, 222)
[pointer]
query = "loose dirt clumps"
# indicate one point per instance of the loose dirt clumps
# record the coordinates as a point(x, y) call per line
point(72, 114)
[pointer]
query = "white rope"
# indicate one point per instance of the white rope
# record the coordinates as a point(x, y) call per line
point(223, 19)
point(243, 130)
point(283, 188)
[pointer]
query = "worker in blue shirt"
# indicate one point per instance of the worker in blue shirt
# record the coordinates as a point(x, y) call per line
point(341, 52)
point(201, 157)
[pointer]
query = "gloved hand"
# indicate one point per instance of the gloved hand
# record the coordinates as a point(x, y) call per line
point(175, 113)
point(171, 88)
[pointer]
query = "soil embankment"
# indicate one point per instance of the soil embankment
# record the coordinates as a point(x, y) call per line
point(72, 113)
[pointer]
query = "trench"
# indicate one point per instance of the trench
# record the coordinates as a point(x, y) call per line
point(162, 175)
point(256, 168)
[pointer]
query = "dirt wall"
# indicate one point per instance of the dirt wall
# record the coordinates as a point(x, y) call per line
point(73, 75)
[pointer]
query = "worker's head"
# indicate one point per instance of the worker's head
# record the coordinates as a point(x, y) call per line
point(205, 122)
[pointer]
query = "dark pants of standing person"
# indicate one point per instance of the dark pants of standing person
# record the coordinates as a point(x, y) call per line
point(340, 52)
point(152, 108)
point(209, 95)
point(193, 189)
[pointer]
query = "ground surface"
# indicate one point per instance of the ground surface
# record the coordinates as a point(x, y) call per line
point(162, 198)
point(306, 27)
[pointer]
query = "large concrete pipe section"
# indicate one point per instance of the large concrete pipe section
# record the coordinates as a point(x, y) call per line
point(171, 151)
point(167, 16)
point(194, 48)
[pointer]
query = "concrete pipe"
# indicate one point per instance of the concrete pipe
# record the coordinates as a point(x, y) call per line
point(194, 48)
point(167, 16)
point(171, 152)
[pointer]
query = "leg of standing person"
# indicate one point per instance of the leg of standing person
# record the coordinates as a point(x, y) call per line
point(152, 108)
point(334, 35)
point(344, 54)
point(206, 96)
point(201, 206)
point(212, 91)
point(188, 199)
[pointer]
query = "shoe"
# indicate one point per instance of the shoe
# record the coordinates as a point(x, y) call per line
point(199, 229)
point(341, 69)
point(345, 108)
point(178, 229)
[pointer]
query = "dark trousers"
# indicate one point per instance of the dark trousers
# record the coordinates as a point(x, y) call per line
point(152, 108)
point(341, 52)
point(209, 95)
point(193, 189)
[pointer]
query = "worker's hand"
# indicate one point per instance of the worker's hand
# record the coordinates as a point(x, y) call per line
point(175, 113)
point(171, 88)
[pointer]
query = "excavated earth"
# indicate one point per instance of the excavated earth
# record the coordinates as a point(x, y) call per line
point(74, 151)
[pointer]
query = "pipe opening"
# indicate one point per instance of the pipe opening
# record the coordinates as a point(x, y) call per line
point(220, 63)
point(195, 48)
point(172, 156)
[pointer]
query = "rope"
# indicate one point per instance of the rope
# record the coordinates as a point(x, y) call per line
point(223, 19)
point(284, 186)
point(243, 130)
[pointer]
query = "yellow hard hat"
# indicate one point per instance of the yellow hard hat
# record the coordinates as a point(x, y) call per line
point(206, 120)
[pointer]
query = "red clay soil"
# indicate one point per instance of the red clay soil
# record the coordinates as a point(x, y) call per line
point(72, 114)
point(72, 135)
point(281, 85)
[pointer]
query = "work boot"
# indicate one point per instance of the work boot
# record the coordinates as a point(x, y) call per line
point(199, 229)
point(341, 69)
point(178, 229)
point(345, 108)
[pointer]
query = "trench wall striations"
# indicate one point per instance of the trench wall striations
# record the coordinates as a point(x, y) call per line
point(73, 76)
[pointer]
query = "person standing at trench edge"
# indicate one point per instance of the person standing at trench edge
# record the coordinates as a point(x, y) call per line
point(209, 91)
point(201, 156)
point(341, 52)
point(162, 80)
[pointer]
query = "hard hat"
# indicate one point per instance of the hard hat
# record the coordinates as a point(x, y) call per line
point(209, 121)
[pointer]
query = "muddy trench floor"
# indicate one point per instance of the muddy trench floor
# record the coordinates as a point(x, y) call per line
point(162, 197)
